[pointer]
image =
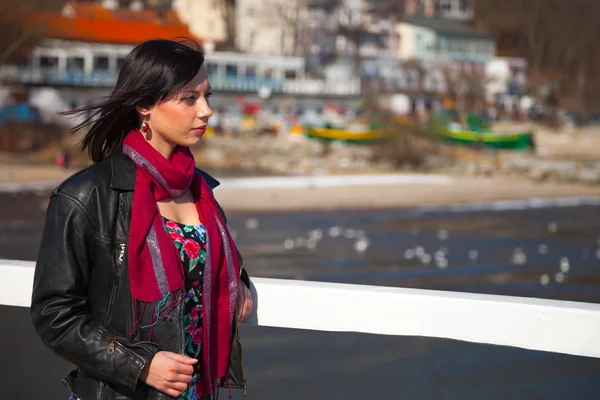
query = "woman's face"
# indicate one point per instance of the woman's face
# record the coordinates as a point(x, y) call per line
point(181, 118)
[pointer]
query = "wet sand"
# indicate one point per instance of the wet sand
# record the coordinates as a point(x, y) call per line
point(462, 190)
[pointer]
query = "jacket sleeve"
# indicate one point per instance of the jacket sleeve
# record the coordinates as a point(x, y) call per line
point(60, 309)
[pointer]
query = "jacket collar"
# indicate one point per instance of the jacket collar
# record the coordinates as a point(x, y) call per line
point(123, 174)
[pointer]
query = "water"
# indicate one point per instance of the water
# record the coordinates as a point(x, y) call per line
point(504, 252)
point(484, 252)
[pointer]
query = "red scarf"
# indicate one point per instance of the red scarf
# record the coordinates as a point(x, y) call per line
point(155, 267)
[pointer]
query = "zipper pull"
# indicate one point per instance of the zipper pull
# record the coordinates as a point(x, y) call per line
point(122, 253)
point(111, 348)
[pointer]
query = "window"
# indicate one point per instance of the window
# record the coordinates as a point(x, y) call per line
point(48, 62)
point(464, 5)
point(101, 63)
point(454, 45)
point(211, 68)
point(443, 5)
point(75, 63)
point(251, 72)
point(290, 74)
point(443, 45)
point(485, 47)
point(231, 71)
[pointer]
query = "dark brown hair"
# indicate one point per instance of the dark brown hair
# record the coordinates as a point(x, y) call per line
point(153, 70)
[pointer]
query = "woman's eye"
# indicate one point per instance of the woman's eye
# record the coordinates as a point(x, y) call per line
point(190, 99)
point(209, 94)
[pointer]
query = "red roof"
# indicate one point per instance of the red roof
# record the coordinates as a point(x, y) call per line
point(94, 23)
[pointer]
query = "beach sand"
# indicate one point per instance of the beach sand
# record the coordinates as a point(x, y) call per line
point(461, 190)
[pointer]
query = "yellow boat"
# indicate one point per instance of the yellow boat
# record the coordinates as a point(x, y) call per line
point(354, 135)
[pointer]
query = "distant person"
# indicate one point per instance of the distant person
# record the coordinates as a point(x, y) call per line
point(138, 281)
point(62, 159)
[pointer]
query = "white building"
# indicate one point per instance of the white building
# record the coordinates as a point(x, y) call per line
point(204, 18)
point(459, 10)
point(507, 78)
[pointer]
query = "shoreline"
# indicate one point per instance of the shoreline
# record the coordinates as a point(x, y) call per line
point(464, 194)
point(347, 192)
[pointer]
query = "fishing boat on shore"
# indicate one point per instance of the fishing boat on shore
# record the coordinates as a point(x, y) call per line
point(351, 134)
point(475, 132)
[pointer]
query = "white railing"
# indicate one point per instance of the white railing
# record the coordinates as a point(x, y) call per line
point(54, 76)
point(546, 325)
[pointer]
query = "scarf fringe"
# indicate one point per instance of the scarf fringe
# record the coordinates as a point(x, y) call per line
point(161, 312)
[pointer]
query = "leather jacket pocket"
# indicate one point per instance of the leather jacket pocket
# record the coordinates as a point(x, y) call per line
point(105, 392)
point(111, 303)
point(84, 386)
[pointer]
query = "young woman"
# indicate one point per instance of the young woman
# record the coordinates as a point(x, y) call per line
point(138, 281)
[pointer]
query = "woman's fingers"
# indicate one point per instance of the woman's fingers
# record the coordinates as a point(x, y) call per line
point(173, 392)
point(185, 378)
point(244, 302)
point(183, 369)
point(247, 307)
point(181, 358)
point(179, 386)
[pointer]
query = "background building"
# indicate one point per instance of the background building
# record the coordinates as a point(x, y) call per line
point(429, 38)
point(460, 10)
point(204, 19)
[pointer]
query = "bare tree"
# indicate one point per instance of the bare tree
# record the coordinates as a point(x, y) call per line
point(228, 11)
point(557, 38)
point(22, 27)
point(464, 85)
point(286, 15)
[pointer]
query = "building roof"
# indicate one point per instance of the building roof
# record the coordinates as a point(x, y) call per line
point(94, 23)
point(445, 27)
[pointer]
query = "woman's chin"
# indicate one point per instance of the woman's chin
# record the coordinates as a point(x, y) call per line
point(193, 140)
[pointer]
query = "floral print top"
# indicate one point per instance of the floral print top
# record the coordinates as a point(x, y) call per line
point(190, 241)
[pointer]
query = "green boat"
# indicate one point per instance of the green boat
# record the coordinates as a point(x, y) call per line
point(474, 132)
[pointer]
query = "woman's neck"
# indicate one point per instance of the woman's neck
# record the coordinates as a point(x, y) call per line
point(160, 145)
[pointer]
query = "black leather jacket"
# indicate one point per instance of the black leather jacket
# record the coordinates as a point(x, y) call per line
point(82, 307)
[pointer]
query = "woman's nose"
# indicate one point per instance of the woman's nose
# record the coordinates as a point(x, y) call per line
point(205, 111)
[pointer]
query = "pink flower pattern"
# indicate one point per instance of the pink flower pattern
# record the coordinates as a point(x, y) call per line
point(190, 241)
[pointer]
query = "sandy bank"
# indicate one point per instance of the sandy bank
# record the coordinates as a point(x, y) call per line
point(407, 194)
point(462, 190)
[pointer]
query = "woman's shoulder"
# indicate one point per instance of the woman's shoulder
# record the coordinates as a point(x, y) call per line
point(84, 182)
point(212, 182)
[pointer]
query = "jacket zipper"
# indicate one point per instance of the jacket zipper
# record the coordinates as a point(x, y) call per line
point(112, 345)
point(111, 303)
point(122, 252)
point(237, 337)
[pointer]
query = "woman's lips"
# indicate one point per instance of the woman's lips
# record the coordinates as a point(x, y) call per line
point(199, 130)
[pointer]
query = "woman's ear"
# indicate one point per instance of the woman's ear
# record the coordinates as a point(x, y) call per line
point(143, 111)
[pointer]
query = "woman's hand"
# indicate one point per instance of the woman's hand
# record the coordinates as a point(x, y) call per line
point(169, 372)
point(244, 303)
